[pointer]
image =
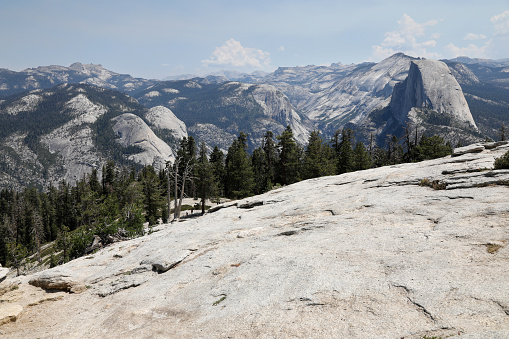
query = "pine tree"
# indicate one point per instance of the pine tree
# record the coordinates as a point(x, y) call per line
point(289, 158)
point(432, 147)
point(318, 158)
point(218, 170)
point(37, 233)
point(271, 158)
point(108, 177)
point(345, 151)
point(239, 172)
point(361, 158)
point(502, 133)
point(260, 169)
point(205, 183)
point(152, 194)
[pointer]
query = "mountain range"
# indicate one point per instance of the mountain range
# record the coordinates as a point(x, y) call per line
point(61, 122)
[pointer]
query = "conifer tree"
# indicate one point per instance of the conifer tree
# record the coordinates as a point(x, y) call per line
point(271, 158)
point(239, 172)
point(361, 158)
point(152, 194)
point(345, 151)
point(218, 170)
point(289, 158)
point(502, 133)
point(205, 183)
point(260, 169)
point(432, 148)
point(318, 158)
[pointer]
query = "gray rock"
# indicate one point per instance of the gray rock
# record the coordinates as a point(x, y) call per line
point(3, 273)
point(10, 313)
point(166, 261)
point(58, 278)
point(474, 148)
point(369, 254)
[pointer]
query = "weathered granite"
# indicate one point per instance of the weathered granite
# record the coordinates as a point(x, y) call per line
point(10, 313)
point(58, 278)
point(370, 254)
point(3, 273)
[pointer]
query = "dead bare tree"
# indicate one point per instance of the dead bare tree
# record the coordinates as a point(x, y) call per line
point(173, 173)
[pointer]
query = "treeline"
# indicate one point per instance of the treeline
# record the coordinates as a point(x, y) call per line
point(282, 161)
point(113, 207)
point(116, 205)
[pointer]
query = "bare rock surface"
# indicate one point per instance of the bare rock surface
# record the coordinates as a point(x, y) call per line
point(58, 278)
point(370, 254)
point(3, 273)
point(10, 312)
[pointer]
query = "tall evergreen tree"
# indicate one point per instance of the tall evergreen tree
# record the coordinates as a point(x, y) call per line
point(289, 158)
point(239, 172)
point(152, 194)
point(205, 183)
point(186, 155)
point(271, 158)
point(217, 159)
point(318, 158)
point(345, 151)
point(260, 169)
point(361, 158)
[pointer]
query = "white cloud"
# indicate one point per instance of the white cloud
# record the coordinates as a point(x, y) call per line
point(281, 48)
point(405, 39)
point(501, 22)
point(472, 50)
point(471, 36)
point(232, 53)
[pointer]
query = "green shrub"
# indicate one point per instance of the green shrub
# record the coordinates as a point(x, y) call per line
point(502, 162)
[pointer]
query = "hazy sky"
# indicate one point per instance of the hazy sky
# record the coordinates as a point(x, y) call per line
point(157, 38)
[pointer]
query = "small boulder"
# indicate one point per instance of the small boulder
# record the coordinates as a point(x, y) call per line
point(164, 262)
point(96, 244)
point(10, 313)
point(474, 148)
point(3, 273)
point(58, 278)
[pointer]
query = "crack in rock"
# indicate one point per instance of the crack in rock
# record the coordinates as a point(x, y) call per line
point(505, 309)
point(250, 204)
point(418, 306)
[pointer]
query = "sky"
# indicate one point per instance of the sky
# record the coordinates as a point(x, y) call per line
point(159, 38)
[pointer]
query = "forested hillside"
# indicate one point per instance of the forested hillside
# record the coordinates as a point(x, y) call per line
point(99, 210)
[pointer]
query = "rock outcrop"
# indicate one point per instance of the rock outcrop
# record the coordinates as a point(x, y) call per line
point(58, 278)
point(133, 131)
point(371, 254)
point(161, 117)
point(3, 273)
point(431, 85)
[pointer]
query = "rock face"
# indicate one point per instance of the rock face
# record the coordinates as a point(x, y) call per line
point(3, 273)
point(370, 254)
point(133, 131)
point(215, 112)
point(65, 133)
point(431, 85)
point(49, 76)
point(161, 117)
